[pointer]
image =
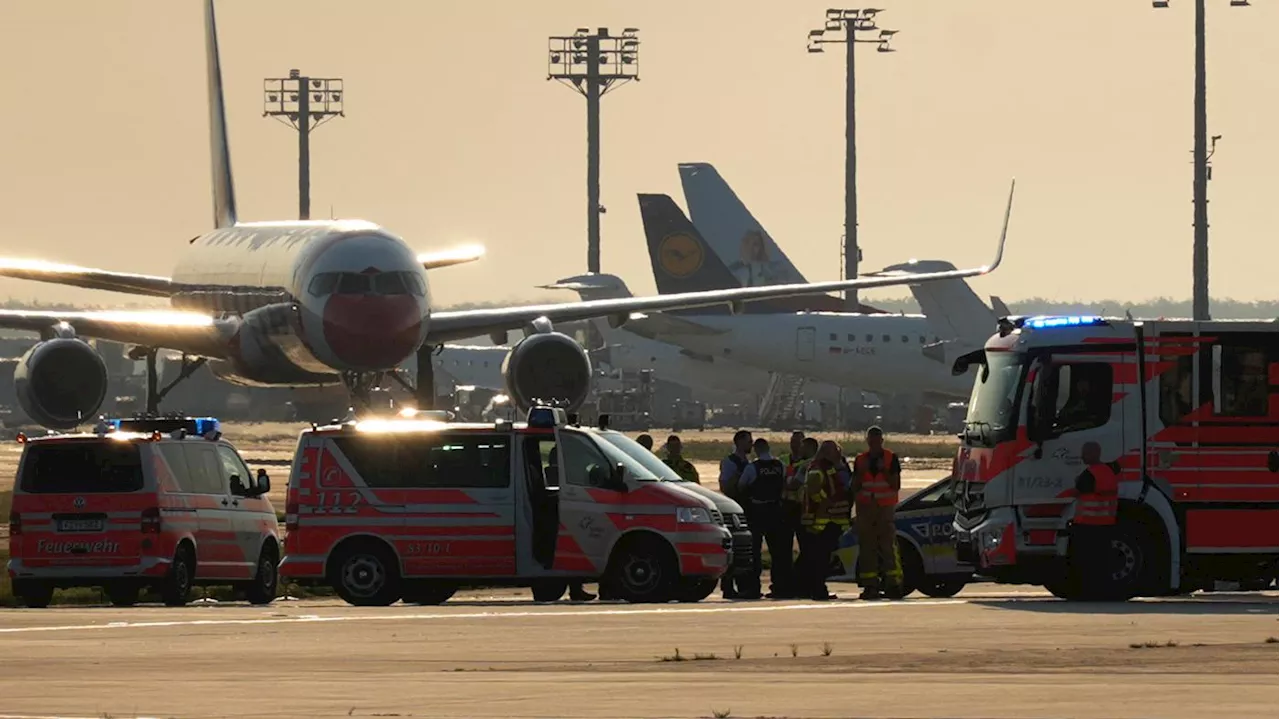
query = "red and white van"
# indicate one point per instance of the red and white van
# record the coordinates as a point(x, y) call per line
point(412, 508)
point(159, 502)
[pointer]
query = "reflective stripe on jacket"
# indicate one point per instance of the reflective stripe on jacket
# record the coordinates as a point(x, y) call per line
point(1099, 507)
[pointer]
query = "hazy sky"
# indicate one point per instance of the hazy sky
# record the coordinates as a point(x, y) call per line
point(453, 134)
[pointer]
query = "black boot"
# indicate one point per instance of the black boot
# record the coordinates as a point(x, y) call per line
point(870, 594)
point(578, 594)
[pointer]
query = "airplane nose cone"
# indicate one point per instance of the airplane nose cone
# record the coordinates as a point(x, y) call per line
point(372, 332)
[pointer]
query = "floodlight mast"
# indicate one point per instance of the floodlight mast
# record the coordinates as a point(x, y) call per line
point(843, 26)
point(592, 64)
point(1201, 172)
point(303, 103)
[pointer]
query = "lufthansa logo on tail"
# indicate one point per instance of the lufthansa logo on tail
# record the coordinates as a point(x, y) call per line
point(679, 254)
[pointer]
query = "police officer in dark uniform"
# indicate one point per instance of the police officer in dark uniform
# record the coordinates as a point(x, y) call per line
point(760, 492)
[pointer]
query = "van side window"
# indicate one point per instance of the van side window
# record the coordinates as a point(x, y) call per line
point(1083, 396)
point(577, 456)
point(177, 461)
point(202, 464)
point(418, 461)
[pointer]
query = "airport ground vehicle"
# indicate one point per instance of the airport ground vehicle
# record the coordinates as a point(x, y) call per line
point(1187, 410)
point(159, 502)
point(411, 508)
point(930, 564)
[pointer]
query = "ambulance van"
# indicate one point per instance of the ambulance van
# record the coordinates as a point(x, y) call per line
point(413, 508)
point(153, 502)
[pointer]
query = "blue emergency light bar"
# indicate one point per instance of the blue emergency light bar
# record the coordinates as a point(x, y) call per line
point(192, 425)
point(1040, 323)
point(548, 417)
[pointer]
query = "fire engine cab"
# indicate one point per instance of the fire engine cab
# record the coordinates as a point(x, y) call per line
point(413, 507)
point(1184, 412)
point(163, 502)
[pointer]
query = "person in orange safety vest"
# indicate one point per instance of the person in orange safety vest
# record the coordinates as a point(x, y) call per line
point(1096, 506)
point(877, 477)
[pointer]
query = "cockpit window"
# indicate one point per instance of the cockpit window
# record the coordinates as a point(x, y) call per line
point(323, 284)
point(416, 284)
point(353, 283)
point(390, 283)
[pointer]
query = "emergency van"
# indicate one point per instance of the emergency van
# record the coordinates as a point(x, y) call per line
point(413, 507)
point(160, 502)
point(924, 523)
point(1185, 414)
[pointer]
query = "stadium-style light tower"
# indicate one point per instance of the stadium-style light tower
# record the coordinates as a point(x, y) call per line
point(1200, 178)
point(593, 64)
point(843, 27)
point(303, 103)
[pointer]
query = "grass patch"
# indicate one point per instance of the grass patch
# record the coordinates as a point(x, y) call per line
point(721, 713)
point(737, 652)
point(1272, 640)
point(1152, 645)
point(916, 446)
point(795, 650)
point(676, 657)
point(827, 649)
point(705, 657)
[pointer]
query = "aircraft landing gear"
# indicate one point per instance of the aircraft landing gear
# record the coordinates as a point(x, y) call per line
point(360, 385)
point(155, 393)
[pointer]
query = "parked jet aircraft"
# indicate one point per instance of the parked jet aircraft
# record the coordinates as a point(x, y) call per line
point(880, 352)
point(312, 302)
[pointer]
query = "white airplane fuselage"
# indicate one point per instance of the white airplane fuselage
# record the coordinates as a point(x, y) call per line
point(878, 353)
point(319, 298)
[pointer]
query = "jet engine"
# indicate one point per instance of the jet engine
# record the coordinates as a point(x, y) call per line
point(61, 382)
point(547, 367)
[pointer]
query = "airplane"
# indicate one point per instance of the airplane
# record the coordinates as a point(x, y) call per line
point(289, 303)
point(879, 351)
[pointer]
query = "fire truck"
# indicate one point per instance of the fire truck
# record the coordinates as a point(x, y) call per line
point(1186, 411)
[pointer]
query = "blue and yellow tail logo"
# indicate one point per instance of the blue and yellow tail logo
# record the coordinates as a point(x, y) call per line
point(680, 254)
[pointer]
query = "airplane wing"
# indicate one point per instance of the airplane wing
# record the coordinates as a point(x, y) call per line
point(74, 276)
point(448, 326)
point(191, 332)
point(455, 256)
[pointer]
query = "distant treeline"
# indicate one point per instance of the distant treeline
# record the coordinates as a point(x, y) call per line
point(1158, 307)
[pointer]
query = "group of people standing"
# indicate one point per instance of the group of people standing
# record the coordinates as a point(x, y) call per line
point(806, 497)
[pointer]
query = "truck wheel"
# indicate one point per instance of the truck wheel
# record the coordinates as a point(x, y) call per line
point(942, 589)
point(365, 574)
point(1127, 569)
point(262, 590)
point(549, 590)
point(122, 595)
point(425, 591)
point(33, 594)
point(643, 571)
point(175, 589)
point(695, 589)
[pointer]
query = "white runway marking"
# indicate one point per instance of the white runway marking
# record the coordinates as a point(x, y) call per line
point(58, 716)
point(311, 618)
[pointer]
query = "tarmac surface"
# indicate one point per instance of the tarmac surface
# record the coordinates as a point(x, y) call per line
point(993, 651)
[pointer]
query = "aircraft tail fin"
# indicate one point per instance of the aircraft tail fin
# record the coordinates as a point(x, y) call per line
point(730, 229)
point(953, 308)
point(224, 195)
point(681, 258)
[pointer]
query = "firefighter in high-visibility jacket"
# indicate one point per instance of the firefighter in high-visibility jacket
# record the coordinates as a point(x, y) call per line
point(824, 516)
point(802, 451)
point(877, 477)
point(1097, 504)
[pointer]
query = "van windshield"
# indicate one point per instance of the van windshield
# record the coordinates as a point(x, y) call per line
point(81, 467)
point(616, 455)
point(655, 467)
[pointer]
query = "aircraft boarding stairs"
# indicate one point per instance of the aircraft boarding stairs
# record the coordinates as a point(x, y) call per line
point(781, 404)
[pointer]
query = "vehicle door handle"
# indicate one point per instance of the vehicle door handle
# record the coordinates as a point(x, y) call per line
point(224, 501)
point(1273, 461)
point(235, 503)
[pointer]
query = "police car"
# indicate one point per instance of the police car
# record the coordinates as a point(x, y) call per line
point(163, 502)
point(929, 561)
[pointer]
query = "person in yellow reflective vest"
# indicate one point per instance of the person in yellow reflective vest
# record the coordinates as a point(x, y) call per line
point(676, 460)
point(802, 452)
point(824, 516)
point(877, 477)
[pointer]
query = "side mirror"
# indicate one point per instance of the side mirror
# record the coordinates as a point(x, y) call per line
point(264, 482)
point(237, 486)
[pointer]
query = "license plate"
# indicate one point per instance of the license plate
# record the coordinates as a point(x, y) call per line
point(81, 525)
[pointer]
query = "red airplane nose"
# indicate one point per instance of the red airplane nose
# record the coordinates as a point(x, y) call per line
point(372, 332)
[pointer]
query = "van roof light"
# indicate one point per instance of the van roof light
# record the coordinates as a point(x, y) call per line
point(546, 417)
